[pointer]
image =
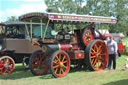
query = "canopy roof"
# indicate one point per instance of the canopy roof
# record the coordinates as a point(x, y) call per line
point(68, 17)
point(12, 23)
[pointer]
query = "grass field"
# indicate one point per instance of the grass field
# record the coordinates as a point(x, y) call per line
point(80, 77)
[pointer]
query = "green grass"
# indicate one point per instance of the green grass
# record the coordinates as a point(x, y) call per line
point(81, 77)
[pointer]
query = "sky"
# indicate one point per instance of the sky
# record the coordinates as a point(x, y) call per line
point(19, 7)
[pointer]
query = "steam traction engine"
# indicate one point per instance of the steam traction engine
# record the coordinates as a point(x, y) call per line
point(57, 55)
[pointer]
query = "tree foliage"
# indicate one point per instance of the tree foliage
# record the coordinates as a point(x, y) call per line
point(108, 8)
point(12, 18)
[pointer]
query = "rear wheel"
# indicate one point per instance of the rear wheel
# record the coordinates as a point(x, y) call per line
point(59, 64)
point(7, 65)
point(96, 55)
point(38, 63)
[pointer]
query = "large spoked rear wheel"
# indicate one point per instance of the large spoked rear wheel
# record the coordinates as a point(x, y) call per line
point(96, 55)
point(59, 64)
point(7, 65)
point(87, 36)
point(38, 63)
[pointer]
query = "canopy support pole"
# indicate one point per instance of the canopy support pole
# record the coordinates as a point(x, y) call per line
point(27, 30)
point(41, 28)
point(31, 27)
point(46, 29)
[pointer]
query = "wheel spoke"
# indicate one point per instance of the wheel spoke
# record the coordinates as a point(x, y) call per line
point(96, 48)
point(58, 58)
point(64, 66)
point(5, 71)
point(92, 53)
point(65, 61)
point(56, 66)
point(99, 49)
point(93, 56)
point(10, 68)
point(93, 50)
point(63, 58)
point(56, 70)
point(8, 71)
point(35, 65)
point(62, 70)
point(55, 62)
point(94, 62)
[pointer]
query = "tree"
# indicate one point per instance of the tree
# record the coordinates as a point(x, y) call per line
point(121, 10)
point(12, 18)
point(108, 8)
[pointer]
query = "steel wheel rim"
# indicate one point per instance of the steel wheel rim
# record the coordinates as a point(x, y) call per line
point(99, 55)
point(87, 36)
point(25, 62)
point(60, 64)
point(7, 65)
point(40, 64)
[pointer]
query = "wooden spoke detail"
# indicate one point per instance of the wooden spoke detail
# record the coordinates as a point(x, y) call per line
point(97, 55)
point(87, 36)
point(38, 63)
point(7, 65)
point(62, 67)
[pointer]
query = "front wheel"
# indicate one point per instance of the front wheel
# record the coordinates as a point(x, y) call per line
point(59, 64)
point(7, 65)
point(96, 55)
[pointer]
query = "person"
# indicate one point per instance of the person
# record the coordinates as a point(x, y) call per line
point(112, 50)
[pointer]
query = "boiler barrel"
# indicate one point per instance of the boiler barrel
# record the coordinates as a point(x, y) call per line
point(50, 48)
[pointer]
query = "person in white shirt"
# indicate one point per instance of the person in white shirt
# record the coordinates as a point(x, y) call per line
point(112, 50)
